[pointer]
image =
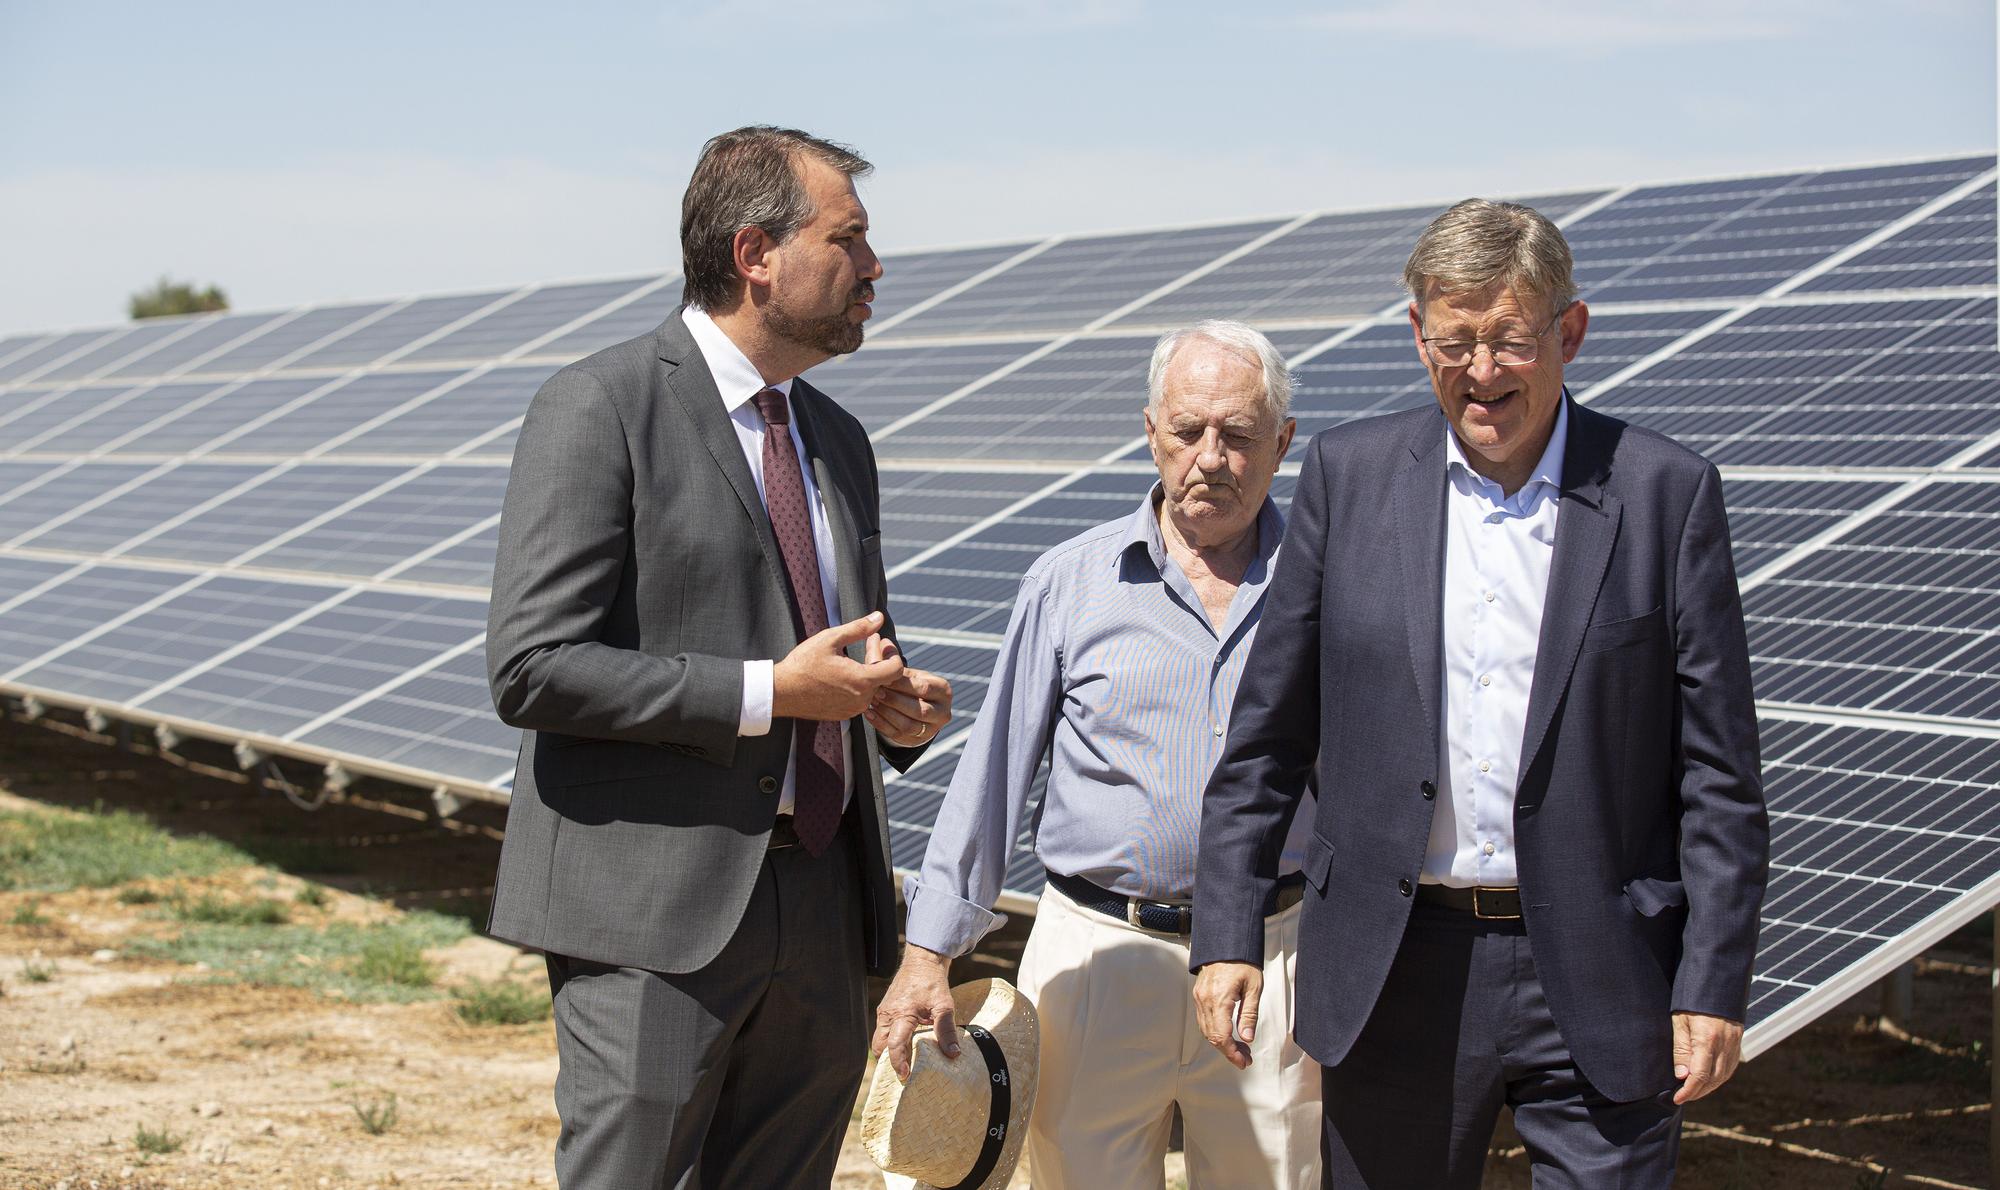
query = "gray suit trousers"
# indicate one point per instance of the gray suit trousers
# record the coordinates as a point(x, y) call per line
point(739, 1074)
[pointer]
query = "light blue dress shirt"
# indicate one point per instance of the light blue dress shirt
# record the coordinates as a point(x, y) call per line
point(1496, 579)
point(1111, 667)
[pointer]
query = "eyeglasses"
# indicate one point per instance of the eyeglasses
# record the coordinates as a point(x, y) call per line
point(1511, 352)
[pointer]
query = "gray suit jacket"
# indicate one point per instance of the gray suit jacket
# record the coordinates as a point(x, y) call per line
point(1639, 818)
point(637, 572)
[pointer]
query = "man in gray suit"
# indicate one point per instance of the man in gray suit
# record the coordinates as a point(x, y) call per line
point(1511, 641)
point(687, 622)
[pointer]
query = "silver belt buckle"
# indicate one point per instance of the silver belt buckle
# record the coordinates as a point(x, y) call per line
point(1482, 915)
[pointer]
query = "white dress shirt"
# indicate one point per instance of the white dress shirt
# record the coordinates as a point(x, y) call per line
point(1496, 576)
point(738, 380)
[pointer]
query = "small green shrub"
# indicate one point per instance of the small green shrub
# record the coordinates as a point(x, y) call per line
point(158, 1141)
point(501, 1002)
point(376, 1115)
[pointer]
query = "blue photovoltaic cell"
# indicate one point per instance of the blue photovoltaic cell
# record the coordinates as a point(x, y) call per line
point(137, 341)
point(881, 384)
point(144, 507)
point(1769, 517)
point(472, 411)
point(14, 474)
point(35, 365)
point(1952, 247)
point(920, 276)
point(395, 331)
point(1871, 833)
point(1077, 281)
point(234, 413)
point(1900, 614)
point(922, 508)
point(341, 653)
point(32, 504)
point(1908, 383)
point(181, 633)
point(1740, 238)
point(41, 413)
point(398, 524)
point(637, 318)
point(21, 575)
point(284, 501)
point(77, 605)
point(283, 340)
point(215, 333)
point(440, 721)
point(516, 324)
point(469, 563)
point(14, 347)
point(336, 411)
point(1074, 404)
point(130, 418)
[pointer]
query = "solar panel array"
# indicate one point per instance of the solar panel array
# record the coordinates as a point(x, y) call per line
point(279, 527)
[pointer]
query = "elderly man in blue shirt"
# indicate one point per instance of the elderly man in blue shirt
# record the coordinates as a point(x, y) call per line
point(1120, 664)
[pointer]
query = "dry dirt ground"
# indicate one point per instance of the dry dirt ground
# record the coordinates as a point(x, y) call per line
point(267, 1087)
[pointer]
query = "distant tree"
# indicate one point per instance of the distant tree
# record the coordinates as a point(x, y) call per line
point(174, 297)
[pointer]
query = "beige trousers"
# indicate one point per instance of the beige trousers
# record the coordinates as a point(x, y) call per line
point(1121, 1047)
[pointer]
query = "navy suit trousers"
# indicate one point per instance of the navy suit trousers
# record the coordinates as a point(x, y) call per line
point(1461, 1028)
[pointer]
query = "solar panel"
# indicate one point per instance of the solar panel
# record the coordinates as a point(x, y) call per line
point(280, 527)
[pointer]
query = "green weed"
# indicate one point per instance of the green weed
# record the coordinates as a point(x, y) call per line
point(158, 1140)
point(501, 1002)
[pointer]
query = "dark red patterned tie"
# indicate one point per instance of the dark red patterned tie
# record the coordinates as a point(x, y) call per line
point(816, 795)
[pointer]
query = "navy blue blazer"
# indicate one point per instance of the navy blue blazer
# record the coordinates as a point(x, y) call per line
point(1639, 819)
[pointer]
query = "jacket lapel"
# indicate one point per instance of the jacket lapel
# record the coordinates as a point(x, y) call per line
point(1586, 529)
point(1419, 511)
point(691, 383)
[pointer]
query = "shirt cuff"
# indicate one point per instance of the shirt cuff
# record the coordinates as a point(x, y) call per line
point(941, 922)
point(755, 717)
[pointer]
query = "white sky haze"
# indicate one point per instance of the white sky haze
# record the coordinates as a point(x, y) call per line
point(294, 154)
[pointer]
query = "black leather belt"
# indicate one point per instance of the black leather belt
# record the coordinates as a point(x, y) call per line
point(1484, 903)
point(1162, 917)
point(783, 834)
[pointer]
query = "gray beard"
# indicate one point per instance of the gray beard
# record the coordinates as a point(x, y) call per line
point(832, 334)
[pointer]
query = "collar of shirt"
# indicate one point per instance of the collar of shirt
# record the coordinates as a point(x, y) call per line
point(1143, 529)
point(1547, 474)
point(736, 378)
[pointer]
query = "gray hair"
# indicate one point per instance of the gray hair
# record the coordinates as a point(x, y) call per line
point(747, 178)
point(1245, 341)
point(1478, 243)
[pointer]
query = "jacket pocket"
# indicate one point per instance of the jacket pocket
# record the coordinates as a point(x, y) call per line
point(1317, 862)
point(1614, 634)
point(1654, 895)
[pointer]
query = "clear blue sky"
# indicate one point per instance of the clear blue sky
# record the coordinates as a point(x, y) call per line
point(298, 153)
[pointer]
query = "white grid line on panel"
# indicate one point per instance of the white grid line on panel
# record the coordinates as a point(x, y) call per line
point(434, 549)
point(400, 680)
point(1794, 712)
point(309, 578)
point(115, 622)
point(951, 291)
point(77, 352)
point(77, 461)
point(1827, 994)
point(243, 646)
point(483, 791)
point(139, 388)
point(30, 344)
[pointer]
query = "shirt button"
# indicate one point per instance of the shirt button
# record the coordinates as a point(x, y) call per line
point(1489, 597)
point(1485, 766)
point(1488, 849)
point(1486, 679)
point(1218, 729)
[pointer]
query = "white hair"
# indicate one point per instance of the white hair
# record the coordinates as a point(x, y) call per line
point(1245, 341)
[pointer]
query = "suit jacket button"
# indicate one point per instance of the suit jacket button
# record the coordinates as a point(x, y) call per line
point(767, 784)
point(1430, 790)
point(1403, 886)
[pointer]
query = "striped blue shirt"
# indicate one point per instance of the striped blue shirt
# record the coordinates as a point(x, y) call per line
point(1111, 668)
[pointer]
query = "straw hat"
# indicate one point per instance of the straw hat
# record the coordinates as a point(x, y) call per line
point(944, 1125)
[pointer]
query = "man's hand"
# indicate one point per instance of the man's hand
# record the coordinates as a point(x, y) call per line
point(1225, 998)
point(919, 995)
point(1706, 1051)
point(818, 680)
point(914, 708)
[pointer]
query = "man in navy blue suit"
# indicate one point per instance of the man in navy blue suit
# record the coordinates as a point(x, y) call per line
point(1511, 640)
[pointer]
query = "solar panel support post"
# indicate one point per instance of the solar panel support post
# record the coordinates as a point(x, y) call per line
point(1898, 994)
